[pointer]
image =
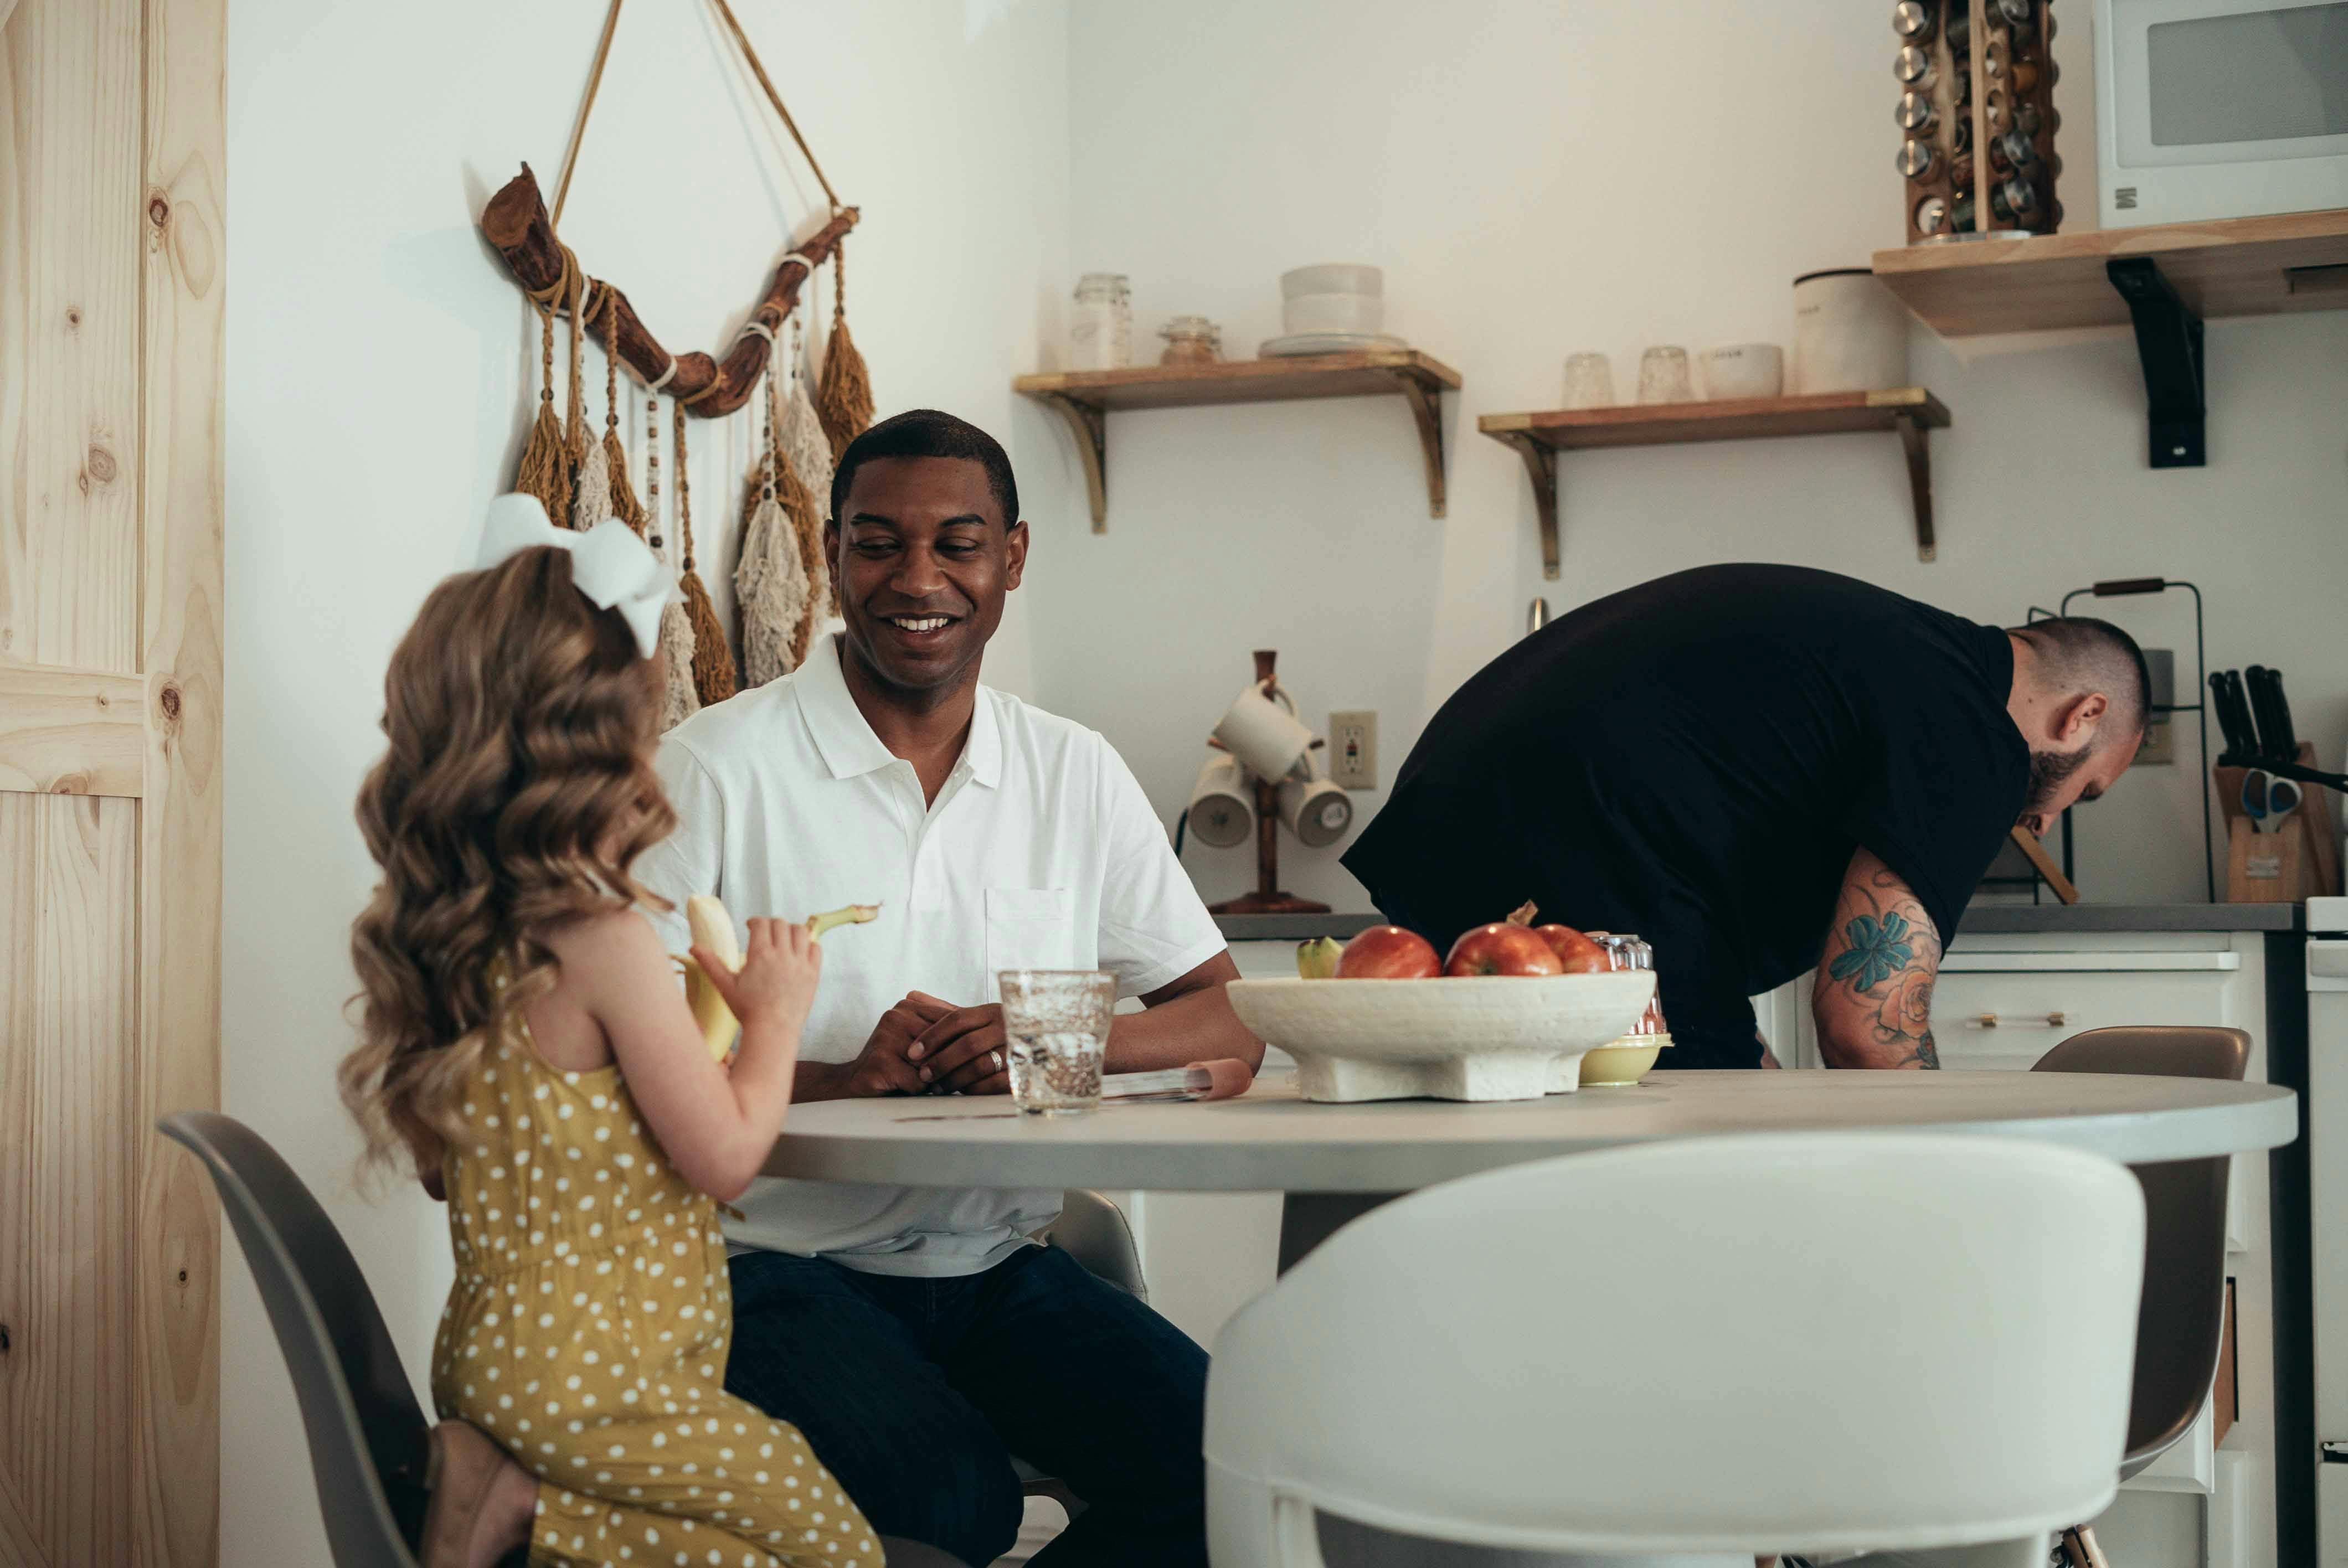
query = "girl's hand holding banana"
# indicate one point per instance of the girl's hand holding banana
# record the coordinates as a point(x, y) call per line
point(775, 982)
point(719, 983)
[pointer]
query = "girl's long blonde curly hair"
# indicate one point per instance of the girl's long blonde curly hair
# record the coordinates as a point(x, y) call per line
point(516, 793)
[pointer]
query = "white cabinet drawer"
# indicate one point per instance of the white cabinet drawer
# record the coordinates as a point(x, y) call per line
point(2006, 1019)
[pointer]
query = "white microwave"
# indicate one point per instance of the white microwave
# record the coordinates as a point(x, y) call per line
point(2220, 109)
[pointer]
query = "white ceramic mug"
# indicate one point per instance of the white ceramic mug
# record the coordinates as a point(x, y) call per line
point(1222, 807)
point(1265, 734)
point(1316, 810)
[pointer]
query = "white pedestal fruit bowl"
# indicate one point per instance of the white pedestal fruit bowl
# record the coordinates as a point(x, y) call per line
point(1483, 1036)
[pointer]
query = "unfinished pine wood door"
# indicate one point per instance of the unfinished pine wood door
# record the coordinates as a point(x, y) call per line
point(111, 186)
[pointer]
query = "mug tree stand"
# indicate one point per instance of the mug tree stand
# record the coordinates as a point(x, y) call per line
point(1267, 898)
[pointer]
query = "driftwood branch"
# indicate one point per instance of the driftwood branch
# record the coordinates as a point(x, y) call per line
point(516, 223)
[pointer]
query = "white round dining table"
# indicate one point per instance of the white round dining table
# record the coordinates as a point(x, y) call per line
point(1333, 1161)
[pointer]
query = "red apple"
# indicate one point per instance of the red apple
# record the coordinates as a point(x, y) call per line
point(1388, 953)
point(1502, 949)
point(1577, 952)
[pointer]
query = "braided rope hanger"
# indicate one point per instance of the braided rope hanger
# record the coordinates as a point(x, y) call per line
point(517, 225)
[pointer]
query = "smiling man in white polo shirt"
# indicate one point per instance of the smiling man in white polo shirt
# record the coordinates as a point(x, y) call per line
point(917, 1335)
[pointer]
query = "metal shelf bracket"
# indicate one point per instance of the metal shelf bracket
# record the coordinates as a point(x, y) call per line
point(1426, 402)
point(1089, 424)
point(1913, 431)
point(2168, 343)
point(1540, 468)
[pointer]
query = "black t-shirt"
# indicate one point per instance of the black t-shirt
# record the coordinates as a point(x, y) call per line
point(1695, 759)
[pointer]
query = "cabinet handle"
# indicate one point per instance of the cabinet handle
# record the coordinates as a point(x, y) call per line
point(1991, 1020)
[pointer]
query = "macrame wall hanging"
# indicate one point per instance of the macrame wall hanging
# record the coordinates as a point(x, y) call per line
point(809, 450)
point(713, 656)
point(770, 583)
point(783, 581)
point(679, 701)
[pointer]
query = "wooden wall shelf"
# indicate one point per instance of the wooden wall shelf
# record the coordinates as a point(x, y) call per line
point(2234, 267)
point(1538, 438)
point(1084, 398)
point(2165, 280)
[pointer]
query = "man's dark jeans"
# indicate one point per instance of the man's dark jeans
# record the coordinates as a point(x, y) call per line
point(916, 1393)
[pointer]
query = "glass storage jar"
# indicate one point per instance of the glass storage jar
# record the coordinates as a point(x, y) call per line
point(1100, 331)
point(1191, 340)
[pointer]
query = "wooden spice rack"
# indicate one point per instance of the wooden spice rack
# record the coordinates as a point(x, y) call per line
point(1084, 398)
point(1984, 156)
point(1538, 438)
point(2165, 280)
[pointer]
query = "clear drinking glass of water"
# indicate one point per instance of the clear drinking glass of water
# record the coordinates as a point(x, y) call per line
point(1057, 1020)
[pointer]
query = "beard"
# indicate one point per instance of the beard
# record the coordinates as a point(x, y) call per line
point(2049, 771)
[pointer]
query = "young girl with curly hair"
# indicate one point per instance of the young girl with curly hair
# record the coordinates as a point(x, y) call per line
point(524, 1044)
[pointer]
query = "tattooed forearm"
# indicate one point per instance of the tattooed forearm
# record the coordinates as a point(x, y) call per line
point(1874, 997)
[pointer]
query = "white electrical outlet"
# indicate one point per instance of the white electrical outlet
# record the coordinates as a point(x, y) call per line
point(1354, 750)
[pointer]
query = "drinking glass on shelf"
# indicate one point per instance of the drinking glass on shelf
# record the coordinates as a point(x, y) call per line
point(1664, 375)
point(1589, 380)
point(1057, 1024)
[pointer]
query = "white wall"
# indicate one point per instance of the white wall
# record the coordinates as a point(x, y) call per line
point(381, 365)
point(1536, 179)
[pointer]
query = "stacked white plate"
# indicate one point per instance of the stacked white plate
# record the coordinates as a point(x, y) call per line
point(1335, 308)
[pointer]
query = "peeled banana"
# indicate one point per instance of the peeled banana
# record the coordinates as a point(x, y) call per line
point(712, 929)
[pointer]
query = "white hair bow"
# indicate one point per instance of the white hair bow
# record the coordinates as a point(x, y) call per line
point(609, 564)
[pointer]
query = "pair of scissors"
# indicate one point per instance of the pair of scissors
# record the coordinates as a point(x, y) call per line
point(2269, 801)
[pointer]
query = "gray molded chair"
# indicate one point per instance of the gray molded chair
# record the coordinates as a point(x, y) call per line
point(2182, 1321)
point(367, 1435)
point(1095, 1232)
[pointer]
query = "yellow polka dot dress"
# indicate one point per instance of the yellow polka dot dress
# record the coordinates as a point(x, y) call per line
point(587, 1333)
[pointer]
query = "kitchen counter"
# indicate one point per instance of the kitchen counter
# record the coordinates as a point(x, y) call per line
point(2033, 919)
point(1979, 920)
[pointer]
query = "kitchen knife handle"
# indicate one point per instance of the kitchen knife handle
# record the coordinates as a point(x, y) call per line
point(2262, 709)
point(2233, 714)
point(2282, 717)
point(2239, 698)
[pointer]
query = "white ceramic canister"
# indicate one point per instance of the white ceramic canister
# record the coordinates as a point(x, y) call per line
point(1850, 333)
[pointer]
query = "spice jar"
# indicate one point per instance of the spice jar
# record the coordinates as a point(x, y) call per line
point(1100, 331)
point(1625, 952)
point(1191, 340)
point(1622, 1061)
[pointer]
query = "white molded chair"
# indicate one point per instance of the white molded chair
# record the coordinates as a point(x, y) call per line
point(1573, 1357)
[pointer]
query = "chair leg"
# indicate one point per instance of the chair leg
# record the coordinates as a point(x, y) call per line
point(1057, 1491)
point(2077, 1548)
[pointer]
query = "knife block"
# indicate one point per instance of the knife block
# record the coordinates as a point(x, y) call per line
point(2300, 861)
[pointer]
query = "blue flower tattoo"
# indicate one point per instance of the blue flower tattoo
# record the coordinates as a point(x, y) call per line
point(1878, 950)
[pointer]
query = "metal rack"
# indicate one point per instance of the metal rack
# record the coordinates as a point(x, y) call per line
point(2123, 588)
